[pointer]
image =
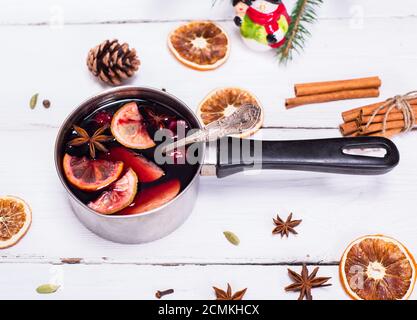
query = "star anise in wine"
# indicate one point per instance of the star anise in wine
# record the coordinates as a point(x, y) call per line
point(287, 227)
point(227, 295)
point(304, 282)
point(158, 121)
point(94, 142)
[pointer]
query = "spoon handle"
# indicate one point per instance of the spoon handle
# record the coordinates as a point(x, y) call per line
point(243, 119)
point(210, 133)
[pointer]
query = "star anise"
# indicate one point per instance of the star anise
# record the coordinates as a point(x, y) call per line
point(156, 120)
point(94, 142)
point(227, 295)
point(284, 228)
point(304, 282)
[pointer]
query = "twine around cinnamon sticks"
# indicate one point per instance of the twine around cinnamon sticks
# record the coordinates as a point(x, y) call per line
point(319, 92)
point(386, 119)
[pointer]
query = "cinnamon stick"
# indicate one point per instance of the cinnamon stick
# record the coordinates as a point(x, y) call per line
point(334, 96)
point(348, 128)
point(363, 120)
point(354, 134)
point(387, 134)
point(380, 123)
point(314, 88)
point(353, 114)
point(376, 127)
point(393, 116)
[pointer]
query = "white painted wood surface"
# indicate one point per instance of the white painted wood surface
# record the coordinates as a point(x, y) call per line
point(352, 39)
point(141, 282)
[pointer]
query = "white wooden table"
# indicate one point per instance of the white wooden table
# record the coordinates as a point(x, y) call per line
point(44, 46)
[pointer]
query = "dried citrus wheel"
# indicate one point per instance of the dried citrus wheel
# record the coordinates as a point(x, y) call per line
point(129, 129)
point(377, 268)
point(15, 220)
point(200, 45)
point(120, 195)
point(223, 102)
point(91, 175)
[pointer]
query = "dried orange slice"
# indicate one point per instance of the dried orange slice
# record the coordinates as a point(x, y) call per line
point(377, 268)
point(129, 129)
point(91, 175)
point(120, 195)
point(201, 45)
point(15, 220)
point(223, 102)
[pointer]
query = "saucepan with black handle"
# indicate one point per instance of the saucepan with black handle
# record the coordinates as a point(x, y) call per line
point(336, 156)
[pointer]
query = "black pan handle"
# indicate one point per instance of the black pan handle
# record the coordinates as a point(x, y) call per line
point(326, 155)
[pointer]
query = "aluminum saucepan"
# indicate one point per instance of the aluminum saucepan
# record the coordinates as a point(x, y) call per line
point(233, 155)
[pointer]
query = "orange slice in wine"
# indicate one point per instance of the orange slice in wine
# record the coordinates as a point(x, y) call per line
point(120, 195)
point(146, 170)
point(129, 129)
point(153, 197)
point(91, 175)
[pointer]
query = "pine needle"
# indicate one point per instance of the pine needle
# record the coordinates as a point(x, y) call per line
point(303, 13)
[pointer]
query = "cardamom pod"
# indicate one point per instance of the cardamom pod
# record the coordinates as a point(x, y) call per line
point(47, 288)
point(33, 101)
point(232, 238)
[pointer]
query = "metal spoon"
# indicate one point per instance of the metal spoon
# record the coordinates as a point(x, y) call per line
point(243, 119)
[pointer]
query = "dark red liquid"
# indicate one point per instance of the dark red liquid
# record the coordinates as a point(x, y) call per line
point(183, 172)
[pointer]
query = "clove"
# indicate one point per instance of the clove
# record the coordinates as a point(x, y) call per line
point(160, 294)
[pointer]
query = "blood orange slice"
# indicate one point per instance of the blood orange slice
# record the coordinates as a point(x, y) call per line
point(15, 220)
point(201, 45)
point(146, 170)
point(129, 129)
point(91, 175)
point(223, 102)
point(154, 197)
point(377, 268)
point(119, 196)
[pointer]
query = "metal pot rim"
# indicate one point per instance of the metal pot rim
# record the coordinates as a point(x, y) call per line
point(109, 92)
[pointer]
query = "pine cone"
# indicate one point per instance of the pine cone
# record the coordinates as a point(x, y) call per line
point(112, 62)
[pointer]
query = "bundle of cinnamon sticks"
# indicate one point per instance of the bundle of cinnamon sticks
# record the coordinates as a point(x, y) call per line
point(319, 92)
point(369, 121)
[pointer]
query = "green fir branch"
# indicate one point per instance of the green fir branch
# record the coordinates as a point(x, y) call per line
point(304, 13)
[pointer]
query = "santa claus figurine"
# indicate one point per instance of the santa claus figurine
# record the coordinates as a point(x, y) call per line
point(263, 23)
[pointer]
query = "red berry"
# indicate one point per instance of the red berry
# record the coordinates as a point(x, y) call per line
point(176, 125)
point(103, 118)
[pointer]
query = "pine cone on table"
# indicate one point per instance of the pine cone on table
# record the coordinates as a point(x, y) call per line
point(112, 62)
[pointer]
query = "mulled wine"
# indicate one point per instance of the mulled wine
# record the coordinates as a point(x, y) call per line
point(109, 157)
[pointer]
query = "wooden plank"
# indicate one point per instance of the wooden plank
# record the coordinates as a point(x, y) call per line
point(335, 210)
point(57, 70)
point(57, 12)
point(141, 282)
